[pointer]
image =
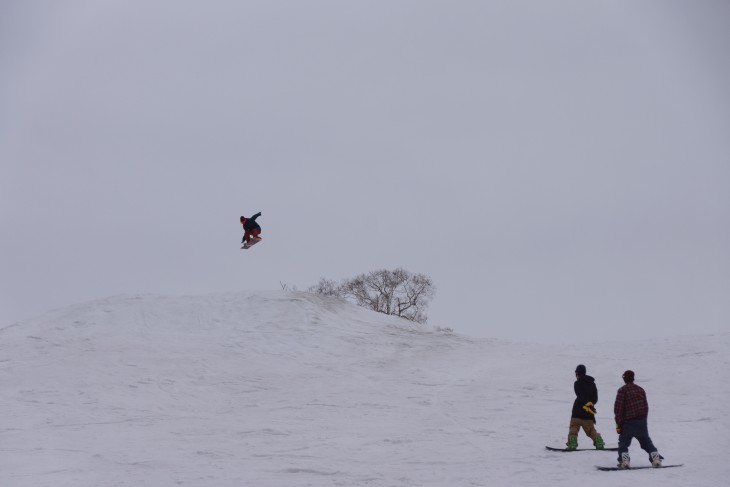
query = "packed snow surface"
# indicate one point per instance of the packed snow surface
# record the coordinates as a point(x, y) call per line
point(291, 389)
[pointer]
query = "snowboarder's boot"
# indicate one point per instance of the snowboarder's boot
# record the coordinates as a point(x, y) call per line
point(625, 461)
point(572, 443)
point(656, 459)
point(598, 442)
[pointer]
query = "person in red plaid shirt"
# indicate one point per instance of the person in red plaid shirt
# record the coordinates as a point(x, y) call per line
point(631, 410)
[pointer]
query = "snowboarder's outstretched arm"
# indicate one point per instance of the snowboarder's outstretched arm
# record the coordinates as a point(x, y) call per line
point(254, 217)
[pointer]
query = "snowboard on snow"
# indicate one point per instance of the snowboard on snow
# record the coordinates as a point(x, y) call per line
point(250, 244)
point(581, 449)
point(611, 469)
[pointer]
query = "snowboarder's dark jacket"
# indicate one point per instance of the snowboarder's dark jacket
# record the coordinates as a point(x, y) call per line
point(251, 224)
point(586, 396)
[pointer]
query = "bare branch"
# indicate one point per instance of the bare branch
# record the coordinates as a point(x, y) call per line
point(396, 292)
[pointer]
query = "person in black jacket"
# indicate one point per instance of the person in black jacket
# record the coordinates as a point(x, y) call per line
point(251, 229)
point(584, 410)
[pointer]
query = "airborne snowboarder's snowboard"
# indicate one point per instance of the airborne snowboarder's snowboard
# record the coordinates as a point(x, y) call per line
point(611, 469)
point(581, 449)
point(250, 244)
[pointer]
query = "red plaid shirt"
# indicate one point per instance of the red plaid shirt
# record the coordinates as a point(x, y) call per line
point(630, 403)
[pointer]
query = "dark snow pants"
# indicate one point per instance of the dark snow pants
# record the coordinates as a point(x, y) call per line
point(635, 428)
point(254, 232)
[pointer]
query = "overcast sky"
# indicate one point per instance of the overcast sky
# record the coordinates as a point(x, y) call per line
point(560, 168)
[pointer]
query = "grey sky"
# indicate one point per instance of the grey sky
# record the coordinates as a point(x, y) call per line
point(559, 168)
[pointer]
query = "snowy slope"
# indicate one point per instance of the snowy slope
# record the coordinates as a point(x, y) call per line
point(290, 389)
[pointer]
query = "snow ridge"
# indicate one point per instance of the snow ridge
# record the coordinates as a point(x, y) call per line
point(292, 389)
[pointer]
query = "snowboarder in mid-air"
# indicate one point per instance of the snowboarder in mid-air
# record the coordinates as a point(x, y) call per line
point(584, 410)
point(251, 230)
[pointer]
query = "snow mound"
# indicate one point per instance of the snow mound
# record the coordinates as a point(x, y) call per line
point(292, 389)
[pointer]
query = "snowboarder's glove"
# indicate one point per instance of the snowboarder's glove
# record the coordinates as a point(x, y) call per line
point(618, 429)
point(589, 407)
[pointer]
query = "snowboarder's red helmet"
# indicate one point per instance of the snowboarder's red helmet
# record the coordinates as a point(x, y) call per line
point(243, 219)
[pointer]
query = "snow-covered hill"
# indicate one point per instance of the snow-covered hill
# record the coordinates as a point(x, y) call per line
point(291, 389)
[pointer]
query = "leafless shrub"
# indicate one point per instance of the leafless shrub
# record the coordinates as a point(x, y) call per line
point(393, 292)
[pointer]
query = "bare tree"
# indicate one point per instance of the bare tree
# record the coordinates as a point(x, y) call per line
point(396, 292)
point(327, 287)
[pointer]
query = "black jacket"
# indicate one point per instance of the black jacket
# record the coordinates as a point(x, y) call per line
point(251, 222)
point(585, 392)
